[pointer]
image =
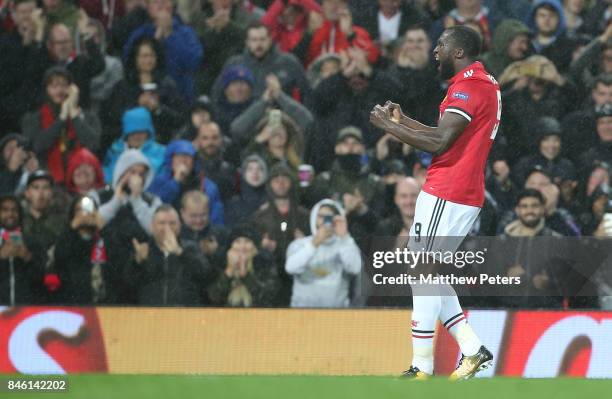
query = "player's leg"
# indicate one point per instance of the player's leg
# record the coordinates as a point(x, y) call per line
point(426, 304)
point(458, 221)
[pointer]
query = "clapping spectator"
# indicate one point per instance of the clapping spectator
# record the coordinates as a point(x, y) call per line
point(249, 278)
point(164, 270)
point(181, 46)
point(288, 20)
point(21, 259)
point(263, 59)
point(236, 95)
point(60, 126)
point(182, 172)
point(323, 263)
point(147, 85)
point(138, 134)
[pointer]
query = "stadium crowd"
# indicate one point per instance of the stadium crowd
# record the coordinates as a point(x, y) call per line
point(189, 152)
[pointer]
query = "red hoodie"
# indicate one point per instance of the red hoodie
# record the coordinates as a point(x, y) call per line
point(287, 38)
point(79, 157)
point(330, 38)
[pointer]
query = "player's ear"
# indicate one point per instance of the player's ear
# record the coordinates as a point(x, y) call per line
point(459, 53)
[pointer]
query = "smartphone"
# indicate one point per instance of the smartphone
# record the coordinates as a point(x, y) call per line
point(328, 219)
point(87, 205)
point(149, 87)
point(275, 118)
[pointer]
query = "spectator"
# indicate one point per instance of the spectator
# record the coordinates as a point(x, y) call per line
point(181, 172)
point(221, 26)
point(263, 59)
point(278, 141)
point(84, 262)
point(323, 67)
point(210, 147)
point(164, 270)
point(467, 12)
point(575, 11)
point(84, 174)
point(147, 85)
point(538, 90)
point(102, 85)
point(336, 34)
point(21, 260)
point(138, 133)
point(135, 16)
point(16, 85)
point(322, 263)
point(548, 132)
point(61, 12)
point(593, 216)
point(536, 267)
point(338, 102)
point(196, 228)
point(547, 23)
point(249, 278)
point(602, 150)
point(390, 19)
point(281, 220)
point(593, 60)
point(510, 43)
point(289, 20)
point(579, 126)
point(105, 11)
point(398, 225)
point(420, 83)
point(17, 162)
point(557, 219)
point(60, 52)
point(350, 182)
point(236, 96)
point(202, 111)
point(499, 184)
point(181, 45)
point(60, 126)
point(126, 205)
point(252, 191)
point(44, 209)
point(245, 124)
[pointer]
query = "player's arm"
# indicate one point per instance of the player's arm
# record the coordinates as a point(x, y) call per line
point(435, 140)
point(398, 116)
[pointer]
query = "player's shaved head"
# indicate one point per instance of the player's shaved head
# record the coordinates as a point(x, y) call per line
point(466, 38)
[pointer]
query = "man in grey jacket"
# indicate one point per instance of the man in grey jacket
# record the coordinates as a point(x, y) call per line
point(322, 264)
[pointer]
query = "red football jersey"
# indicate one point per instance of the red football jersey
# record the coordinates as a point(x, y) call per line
point(457, 175)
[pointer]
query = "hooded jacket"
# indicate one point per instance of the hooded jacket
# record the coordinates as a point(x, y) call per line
point(10, 181)
point(497, 59)
point(560, 50)
point(151, 149)
point(141, 208)
point(321, 274)
point(78, 158)
point(170, 190)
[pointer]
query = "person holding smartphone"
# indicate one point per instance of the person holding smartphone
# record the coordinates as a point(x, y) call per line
point(321, 264)
point(21, 260)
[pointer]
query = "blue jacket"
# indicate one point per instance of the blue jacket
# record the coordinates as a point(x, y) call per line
point(151, 149)
point(183, 51)
point(170, 190)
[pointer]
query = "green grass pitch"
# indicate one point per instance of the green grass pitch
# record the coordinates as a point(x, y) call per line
point(307, 387)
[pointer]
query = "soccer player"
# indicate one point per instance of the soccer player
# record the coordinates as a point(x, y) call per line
point(453, 192)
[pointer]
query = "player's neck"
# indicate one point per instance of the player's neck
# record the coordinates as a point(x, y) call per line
point(461, 65)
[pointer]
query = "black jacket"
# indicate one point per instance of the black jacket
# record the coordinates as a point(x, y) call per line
point(172, 280)
point(21, 283)
point(411, 16)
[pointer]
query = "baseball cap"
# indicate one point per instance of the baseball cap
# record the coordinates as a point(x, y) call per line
point(39, 174)
point(349, 131)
